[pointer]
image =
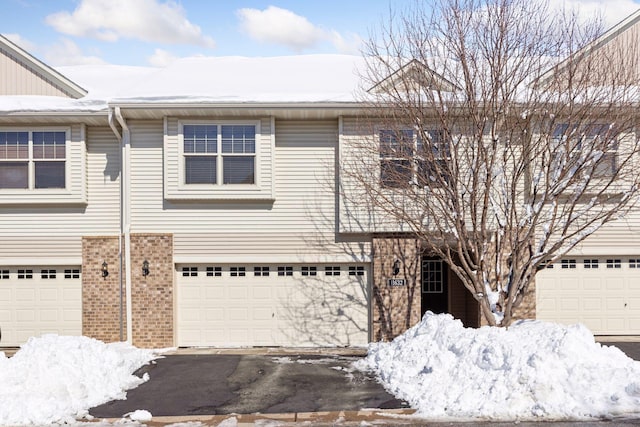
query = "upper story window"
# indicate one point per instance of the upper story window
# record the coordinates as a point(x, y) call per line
point(409, 158)
point(219, 154)
point(33, 159)
point(591, 138)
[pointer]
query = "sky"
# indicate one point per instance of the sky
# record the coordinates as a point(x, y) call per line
point(155, 32)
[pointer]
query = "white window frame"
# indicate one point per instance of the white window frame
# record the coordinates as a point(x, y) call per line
point(31, 161)
point(416, 163)
point(219, 155)
point(175, 189)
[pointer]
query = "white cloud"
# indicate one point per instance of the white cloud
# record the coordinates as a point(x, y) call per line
point(611, 11)
point(146, 20)
point(66, 52)
point(21, 41)
point(281, 26)
point(161, 58)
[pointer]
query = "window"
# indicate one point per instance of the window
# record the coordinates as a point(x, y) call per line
point(568, 263)
point(25, 274)
point(260, 271)
point(614, 263)
point(332, 270)
point(356, 271)
point(285, 271)
point(214, 271)
point(4, 274)
point(634, 263)
point(396, 152)
point(189, 271)
point(238, 271)
point(591, 138)
point(219, 154)
point(48, 274)
point(309, 271)
point(33, 159)
point(590, 263)
point(72, 274)
point(408, 157)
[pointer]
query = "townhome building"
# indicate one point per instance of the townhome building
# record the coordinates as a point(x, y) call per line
point(201, 205)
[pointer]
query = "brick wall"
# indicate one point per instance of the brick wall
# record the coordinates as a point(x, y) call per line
point(152, 296)
point(395, 308)
point(101, 295)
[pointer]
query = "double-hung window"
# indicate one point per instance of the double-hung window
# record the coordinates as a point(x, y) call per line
point(33, 159)
point(434, 155)
point(219, 154)
point(397, 150)
point(408, 157)
point(591, 138)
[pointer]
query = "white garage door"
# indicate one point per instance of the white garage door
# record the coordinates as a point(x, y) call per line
point(602, 293)
point(272, 305)
point(39, 300)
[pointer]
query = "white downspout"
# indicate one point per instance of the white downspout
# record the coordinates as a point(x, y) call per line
point(126, 214)
point(116, 132)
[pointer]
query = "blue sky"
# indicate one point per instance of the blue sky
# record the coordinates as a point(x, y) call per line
point(153, 32)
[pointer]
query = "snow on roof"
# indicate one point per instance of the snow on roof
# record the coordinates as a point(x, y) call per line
point(301, 78)
point(284, 79)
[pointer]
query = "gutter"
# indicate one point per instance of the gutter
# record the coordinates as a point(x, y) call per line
point(125, 220)
point(118, 135)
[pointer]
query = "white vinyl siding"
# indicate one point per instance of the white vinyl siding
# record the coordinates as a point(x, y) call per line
point(299, 225)
point(18, 79)
point(36, 300)
point(51, 233)
point(289, 309)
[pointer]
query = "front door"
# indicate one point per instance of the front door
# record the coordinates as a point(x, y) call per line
point(435, 290)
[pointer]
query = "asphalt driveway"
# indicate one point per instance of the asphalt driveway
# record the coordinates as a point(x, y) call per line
point(221, 384)
point(243, 384)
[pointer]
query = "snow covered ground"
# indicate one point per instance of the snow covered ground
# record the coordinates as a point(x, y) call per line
point(532, 371)
point(57, 379)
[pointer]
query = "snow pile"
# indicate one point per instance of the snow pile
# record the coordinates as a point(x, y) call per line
point(56, 379)
point(532, 371)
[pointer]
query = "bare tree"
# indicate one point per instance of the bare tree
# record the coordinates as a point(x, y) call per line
point(502, 136)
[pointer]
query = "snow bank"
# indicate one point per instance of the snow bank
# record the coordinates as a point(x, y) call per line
point(532, 371)
point(56, 379)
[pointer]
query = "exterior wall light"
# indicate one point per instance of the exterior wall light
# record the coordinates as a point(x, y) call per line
point(105, 269)
point(396, 267)
point(145, 268)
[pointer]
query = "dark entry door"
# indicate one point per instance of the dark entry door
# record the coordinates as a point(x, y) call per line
point(435, 289)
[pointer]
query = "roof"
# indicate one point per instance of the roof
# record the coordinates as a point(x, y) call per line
point(219, 81)
point(41, 69)
point(597, 44)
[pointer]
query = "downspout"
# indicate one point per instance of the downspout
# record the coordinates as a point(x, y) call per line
point(116, 132)
point(126, 215)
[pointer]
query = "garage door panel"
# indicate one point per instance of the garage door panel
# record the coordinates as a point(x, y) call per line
point(39, 301)
point(592, 304)
point(605, 299)
point(276, 310)
point(23, 295)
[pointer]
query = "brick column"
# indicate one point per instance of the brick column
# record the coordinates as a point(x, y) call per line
point(395, 308)
point(152, 296)
point(101, 295)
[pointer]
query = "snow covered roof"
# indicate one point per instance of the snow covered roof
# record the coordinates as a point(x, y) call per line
point(300, 79)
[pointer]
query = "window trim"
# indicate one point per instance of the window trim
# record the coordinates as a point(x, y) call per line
point(75, 191)
point(417, 163)
point(175, 189)
point(31, 161)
